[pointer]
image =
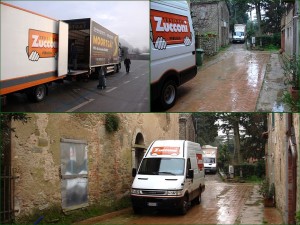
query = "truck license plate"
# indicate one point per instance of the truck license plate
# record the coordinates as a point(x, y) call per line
point(152, 204)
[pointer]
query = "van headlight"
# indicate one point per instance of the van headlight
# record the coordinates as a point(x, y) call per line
point(136, 191)
point(174, 192)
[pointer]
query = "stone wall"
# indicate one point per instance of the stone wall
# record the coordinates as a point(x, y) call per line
point(36, 158)
point(277, 160)
point(209, 45)
point(211, 17)
point(187, 129)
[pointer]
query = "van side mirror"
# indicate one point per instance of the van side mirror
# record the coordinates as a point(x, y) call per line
point(190, 174)
point(133, 172)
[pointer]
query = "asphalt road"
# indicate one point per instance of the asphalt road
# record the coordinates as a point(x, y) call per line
point(125, 92)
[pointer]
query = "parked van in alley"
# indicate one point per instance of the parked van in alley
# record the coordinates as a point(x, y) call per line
point(170, 176)
point(173, 55)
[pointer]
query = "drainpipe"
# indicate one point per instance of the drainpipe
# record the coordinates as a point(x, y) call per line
point(286, 207)
point(298, 26)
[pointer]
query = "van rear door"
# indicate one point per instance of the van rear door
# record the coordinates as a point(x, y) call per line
point(63, 34)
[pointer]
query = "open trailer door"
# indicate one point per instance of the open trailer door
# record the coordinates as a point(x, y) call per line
point(63, 39)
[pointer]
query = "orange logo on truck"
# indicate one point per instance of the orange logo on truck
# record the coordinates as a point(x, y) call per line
point(41, 45)
point(200, 161)
point(169, 29)
point(165, 150)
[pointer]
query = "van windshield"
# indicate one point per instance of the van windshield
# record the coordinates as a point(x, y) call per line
point(209, 160)
point(162, 166)
point(238, 34)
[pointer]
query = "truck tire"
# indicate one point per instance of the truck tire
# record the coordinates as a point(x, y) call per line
point(184, 206)
point(38, 93)
point(197, 200)
point(168, 94)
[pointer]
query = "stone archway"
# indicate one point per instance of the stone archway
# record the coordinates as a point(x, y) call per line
point(138, 150)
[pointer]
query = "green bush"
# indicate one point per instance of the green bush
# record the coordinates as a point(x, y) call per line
point(250, 171)
point(267, 40)
point(298, 218)
point(112, 122)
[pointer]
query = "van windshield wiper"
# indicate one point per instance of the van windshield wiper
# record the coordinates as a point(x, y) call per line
point(164, 172)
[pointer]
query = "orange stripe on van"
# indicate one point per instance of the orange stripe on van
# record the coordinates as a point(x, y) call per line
point(19, 87)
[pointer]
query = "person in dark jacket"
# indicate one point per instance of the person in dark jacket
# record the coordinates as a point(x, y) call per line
point(127, 63)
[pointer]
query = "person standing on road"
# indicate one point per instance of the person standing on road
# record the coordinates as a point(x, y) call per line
point(127, 63)
point(102, 80)
point(73, 55)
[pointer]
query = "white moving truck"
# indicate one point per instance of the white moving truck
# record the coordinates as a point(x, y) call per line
point(35, 50)
point(170, 176)
point(239, 33)
point(173, 54)
point(210, 156)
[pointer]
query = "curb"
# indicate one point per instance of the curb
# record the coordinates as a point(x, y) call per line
point(97, 219)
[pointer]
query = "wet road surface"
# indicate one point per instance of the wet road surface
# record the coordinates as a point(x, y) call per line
point(229, 82)
point(221, 204)
point(125, 92)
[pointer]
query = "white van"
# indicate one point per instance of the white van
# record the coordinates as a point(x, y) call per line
point(170, 176)
point(173, 55)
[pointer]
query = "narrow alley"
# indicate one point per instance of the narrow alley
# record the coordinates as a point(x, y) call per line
point(229, 82)
point(222, 203)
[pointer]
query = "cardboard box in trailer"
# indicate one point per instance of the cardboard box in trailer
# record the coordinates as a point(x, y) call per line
point(170, 176)
point(36, 51)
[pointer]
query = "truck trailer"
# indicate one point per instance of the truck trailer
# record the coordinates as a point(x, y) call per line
point(37, 50)
point(210, 156)
point(239, 33)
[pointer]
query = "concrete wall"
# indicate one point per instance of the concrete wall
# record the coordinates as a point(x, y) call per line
point(277, 163)
point(36, 156)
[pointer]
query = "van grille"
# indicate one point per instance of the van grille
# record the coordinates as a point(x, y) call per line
point(154, 192)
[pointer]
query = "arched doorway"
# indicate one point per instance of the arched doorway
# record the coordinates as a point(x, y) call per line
point(138, 150)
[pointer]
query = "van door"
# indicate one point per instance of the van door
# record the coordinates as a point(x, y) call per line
point(63, 33)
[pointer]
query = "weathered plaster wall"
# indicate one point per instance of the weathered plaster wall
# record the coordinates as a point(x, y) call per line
point(277, 158)
point(36, 154)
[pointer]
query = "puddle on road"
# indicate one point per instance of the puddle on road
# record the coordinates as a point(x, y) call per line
point(278, 107)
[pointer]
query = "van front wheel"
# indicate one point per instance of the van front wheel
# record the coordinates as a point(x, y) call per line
point(184, 206)
point(168, 94)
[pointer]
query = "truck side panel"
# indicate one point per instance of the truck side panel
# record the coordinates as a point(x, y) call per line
point(104, 46)
point(29, 47)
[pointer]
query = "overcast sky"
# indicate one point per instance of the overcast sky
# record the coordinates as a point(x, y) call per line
point(128, 19)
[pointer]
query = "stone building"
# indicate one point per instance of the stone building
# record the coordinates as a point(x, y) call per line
point(76, 161)
point(211, 16)
point(283, 162)
point(290, 29)
point(187, 129)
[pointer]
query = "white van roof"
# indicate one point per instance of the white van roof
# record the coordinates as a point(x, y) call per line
point(183, 5)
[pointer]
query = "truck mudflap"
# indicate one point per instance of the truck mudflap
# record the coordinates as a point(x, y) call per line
point(157, 202)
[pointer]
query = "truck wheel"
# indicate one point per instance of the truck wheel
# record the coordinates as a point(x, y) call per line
point(38, 93)
point(185, 206)
point(168, 94)
point(197, 200)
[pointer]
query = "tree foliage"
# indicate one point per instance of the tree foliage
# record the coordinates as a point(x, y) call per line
point(207, 130)
point(248, 143)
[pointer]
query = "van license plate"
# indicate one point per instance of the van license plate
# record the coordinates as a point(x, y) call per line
point(152, 204)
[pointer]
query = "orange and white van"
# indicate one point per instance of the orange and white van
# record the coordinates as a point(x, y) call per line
point(170, 176)
point(173, 59)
